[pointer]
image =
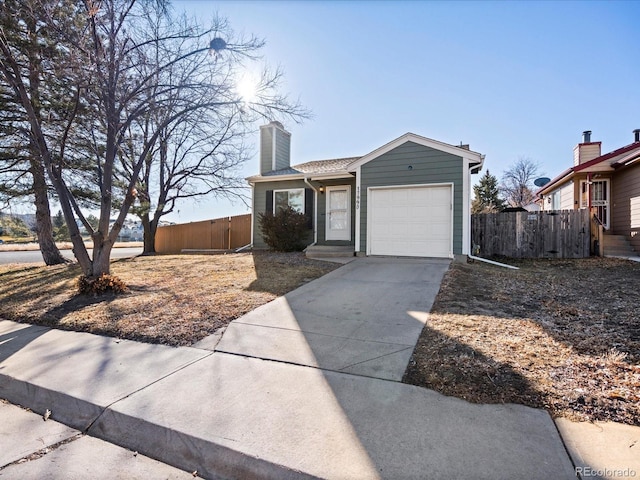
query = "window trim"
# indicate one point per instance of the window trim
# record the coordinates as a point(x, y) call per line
point(289, 190)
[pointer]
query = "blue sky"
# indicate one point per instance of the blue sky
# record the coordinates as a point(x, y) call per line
point(510, 78)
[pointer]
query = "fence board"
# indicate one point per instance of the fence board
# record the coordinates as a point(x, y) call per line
point(218, 234)
point(557, 234)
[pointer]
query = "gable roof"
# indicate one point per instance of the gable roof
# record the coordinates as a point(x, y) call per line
point(633, 151)
point(345, 167)
point(317, 168)
point(476, 158)
point(607, 156)
point(632, 157)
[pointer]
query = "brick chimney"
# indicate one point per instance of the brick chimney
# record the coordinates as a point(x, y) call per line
point(275, 147)
point(587, 150)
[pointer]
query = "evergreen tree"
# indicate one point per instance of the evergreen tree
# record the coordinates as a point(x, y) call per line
point(487, 199)
point(58, 220)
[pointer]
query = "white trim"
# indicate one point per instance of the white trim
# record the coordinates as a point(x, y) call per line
point(358, 206)
point(298, 176)
point(473, 157)
point(289, 190)
point(466, 205)
point(418, 185)
point(331, 176)
point(253, 208)
point(315, 211)
point(273, 147)
point(327, 220)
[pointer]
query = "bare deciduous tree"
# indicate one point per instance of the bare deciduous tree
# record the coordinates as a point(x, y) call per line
point(198, 152)
point(138, 88)
point(517, 182)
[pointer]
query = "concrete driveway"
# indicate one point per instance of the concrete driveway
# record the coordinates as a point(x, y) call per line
point(363, 318)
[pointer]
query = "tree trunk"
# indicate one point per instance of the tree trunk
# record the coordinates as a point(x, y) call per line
point(101, 263)
point(150, 228)
point(50, 253)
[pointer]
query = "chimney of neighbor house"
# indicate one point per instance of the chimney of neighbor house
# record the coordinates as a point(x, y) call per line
point(636, 135)
point(275, 147)
point(587, 150)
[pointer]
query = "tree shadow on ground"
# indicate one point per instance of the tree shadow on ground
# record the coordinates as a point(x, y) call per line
point(458, 370)
point(13, 341)
point(569, 324)
point(19, 287)
point(279, 273)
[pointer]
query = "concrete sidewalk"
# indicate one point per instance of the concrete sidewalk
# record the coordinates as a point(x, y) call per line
point(232, 415)
point(48, 450)
point(236, 417)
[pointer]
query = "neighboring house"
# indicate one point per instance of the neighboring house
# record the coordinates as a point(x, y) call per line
point(608, 185)
point(131, 231)
point(410, 197)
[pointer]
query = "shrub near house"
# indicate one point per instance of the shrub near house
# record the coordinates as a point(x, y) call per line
point(284, 231)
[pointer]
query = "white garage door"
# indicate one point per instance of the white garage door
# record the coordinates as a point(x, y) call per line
point(413, 221)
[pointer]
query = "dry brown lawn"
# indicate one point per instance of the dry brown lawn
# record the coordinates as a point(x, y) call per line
point(172, 299)
point(559, 334)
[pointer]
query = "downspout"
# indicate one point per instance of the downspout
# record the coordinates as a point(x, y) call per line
point(480, 259)
point(315, 212)
point(238, 250)
point(253, 205)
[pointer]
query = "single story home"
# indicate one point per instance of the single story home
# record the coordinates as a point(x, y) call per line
point(409, 197)
point(607, 184)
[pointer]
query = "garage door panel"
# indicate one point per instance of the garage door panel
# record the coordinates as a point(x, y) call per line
point(413, 221)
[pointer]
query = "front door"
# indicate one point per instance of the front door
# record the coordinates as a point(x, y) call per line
point(599, 193)
point(338, 213)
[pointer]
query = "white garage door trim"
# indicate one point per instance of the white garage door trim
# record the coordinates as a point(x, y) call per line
point(422, 250)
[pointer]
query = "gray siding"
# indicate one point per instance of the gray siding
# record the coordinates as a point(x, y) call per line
point(625, 211)
point(266, 149)
point(283, 147)
point(428, 166)
point(322, 212)
point(259, 205)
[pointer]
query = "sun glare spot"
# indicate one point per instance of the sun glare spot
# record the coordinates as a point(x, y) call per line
point(247, 88)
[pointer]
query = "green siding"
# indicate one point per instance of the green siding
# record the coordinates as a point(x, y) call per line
point(259, 205)
point(428, 166)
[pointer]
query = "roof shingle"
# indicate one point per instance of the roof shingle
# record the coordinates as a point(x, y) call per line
point(316, 167)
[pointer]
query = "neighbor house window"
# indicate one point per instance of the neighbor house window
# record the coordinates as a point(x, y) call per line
point(288, 198)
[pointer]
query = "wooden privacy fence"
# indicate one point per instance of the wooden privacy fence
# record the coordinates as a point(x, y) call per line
point(556, 234)
point(219, 234)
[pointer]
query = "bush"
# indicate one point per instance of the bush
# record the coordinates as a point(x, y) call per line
point(104, 283)
point(286, 231)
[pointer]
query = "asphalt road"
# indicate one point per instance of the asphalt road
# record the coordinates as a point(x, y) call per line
point(34, 256)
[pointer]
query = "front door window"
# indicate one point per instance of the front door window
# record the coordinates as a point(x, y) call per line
point(338, 214)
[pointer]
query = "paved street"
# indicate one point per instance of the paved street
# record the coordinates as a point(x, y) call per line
point(34, 256)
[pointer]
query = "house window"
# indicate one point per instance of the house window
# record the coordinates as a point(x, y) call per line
point(555, 200)
point(288, 198)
